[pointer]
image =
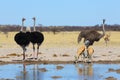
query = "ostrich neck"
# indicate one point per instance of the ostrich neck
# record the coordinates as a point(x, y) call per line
point(22, 26)
point(34, 26)
point(103, 31)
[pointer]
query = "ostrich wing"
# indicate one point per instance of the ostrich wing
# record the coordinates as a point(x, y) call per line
point(79, 38)
point(93, 36)
point(82, 34)
point(90, 35)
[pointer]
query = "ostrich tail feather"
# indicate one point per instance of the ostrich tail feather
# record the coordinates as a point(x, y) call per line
point(79, 38)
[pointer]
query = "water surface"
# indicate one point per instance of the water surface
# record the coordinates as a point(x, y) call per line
point(59, 71)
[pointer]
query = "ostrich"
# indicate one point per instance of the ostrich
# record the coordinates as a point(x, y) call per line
point(81, 51)
point(22, 39)
point(107, 38)
point(90, 36)
point(36, 38)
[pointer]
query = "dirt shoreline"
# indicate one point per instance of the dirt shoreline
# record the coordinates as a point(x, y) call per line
point(59, 55)
point(58, 62)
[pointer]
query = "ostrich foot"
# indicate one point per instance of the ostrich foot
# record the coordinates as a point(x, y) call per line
point(85, 60)
point(89, 61)
point(35, 58)
point(76, 60)
point(32, 56)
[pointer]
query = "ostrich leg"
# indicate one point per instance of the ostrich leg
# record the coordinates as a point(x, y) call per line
point(85, 54)
point(38, 45)
point(33, 55)
point(24, 49)
point(87, 44)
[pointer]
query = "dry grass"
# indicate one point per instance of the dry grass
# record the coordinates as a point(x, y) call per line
point(64, 39)
point(114, 39)
point(54, 55)
point(14, 54)
point(61, 39)
point(65, 55)
point(7, 42)
point(4, 57)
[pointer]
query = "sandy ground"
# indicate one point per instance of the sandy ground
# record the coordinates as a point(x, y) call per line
point(61, 47)
point(59, 54)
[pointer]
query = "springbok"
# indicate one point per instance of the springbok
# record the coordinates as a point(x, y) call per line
point(90, 52)
point(107, 38)
point(85, 52)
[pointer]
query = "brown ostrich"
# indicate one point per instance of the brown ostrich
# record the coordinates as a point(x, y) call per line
point(90, 36)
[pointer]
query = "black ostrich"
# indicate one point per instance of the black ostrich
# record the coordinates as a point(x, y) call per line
point(90, 36)
point(22, 39)
point(36, 38)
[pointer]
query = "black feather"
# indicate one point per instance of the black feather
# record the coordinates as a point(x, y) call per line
point(22, 39)
point(36, 37)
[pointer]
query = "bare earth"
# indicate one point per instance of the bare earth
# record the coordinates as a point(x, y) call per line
point(59, 54)
point(61, 47)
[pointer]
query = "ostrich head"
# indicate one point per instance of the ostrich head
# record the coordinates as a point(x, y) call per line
point(103, 29)
point(23, 19)
point(34, 19)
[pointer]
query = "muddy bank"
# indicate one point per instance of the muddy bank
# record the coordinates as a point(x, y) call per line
point(57, 62)
point(59, 55)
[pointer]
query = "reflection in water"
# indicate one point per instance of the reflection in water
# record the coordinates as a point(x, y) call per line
point(24, 71)
point(36, 72)
point(48, 71)
point(85, 71)
point(29, 74)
